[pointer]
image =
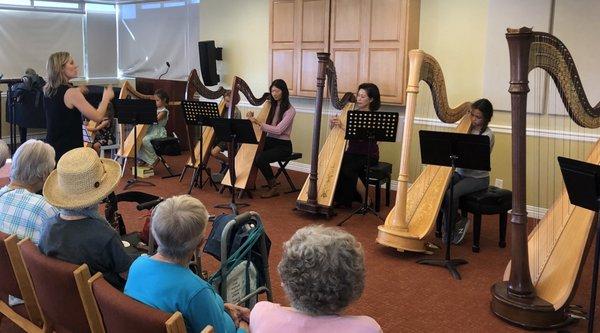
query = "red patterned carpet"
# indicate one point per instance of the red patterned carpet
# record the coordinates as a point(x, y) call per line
point(401, 295)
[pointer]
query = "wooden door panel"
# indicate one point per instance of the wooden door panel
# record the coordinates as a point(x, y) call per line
point(283, 21)
point(314, 21)
point(283, 67)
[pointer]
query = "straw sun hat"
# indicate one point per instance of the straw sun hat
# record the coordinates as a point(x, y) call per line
point(81, 179)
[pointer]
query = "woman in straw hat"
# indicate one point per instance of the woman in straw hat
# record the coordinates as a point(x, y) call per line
point(79, 234)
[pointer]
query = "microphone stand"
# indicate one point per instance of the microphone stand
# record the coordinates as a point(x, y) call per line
point(168, 68)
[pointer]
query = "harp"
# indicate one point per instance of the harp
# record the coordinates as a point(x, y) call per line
point(126, 143)
point(545, 265)
point(416, 208)
point(317, 193)
point(245, 171)
point(193, 86)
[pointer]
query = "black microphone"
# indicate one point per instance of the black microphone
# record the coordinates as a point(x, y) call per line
point(168, 67)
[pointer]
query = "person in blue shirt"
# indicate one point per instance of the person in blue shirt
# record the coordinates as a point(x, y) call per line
point(164, 280)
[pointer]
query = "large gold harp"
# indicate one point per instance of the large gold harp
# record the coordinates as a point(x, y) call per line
point(245, 171)
point(542, 275)
point(317, 193)
point(417, 207)
point(193, 86)
point(126, 143)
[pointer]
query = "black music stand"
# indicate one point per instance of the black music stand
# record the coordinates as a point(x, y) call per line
point(372, 127)
point(233, 131)
point(135, 112)
point(200, 114)
point(582, 181)
point(455, 150)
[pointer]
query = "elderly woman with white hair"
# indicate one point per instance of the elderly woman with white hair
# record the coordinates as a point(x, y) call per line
point(23, 212)
point(164, 280)
point(79, 234)
point(322, 271)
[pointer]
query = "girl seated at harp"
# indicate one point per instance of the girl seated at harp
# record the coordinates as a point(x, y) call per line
point(278, 145)
point(146, 154)
point(103, 131)
point(358, 152)
point(220, 147)
point(467, 180)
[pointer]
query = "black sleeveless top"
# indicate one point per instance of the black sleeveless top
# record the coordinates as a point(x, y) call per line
point(63, 125)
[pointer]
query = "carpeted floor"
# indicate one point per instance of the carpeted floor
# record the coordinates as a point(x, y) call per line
point(400, 295)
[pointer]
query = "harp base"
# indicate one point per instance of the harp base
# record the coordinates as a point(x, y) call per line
point(389, 237)
point(315, 208)
point(528, 313)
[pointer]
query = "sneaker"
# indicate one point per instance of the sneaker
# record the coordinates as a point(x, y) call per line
point(460, 231)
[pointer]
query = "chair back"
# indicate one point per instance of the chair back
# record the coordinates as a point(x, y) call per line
point(57, 290)
point(121, 313)
point(8, 280)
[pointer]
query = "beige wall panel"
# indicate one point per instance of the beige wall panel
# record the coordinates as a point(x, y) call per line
point(347, 64)
point(385, 20)
point(283, 67)
point(383, 65)
point(347, 20)
point(283, 21)
point(313, 21)
point(308, 71)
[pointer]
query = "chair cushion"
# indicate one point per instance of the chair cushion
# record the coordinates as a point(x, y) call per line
point(382, 170)
point(492, 200)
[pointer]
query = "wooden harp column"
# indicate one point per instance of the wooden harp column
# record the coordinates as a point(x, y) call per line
point(317, 197)
point(535, 294)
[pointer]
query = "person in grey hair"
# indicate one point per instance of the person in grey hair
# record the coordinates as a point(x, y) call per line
point(164, 280)
point(79, 234)
point(23, 212)
point(322, 272)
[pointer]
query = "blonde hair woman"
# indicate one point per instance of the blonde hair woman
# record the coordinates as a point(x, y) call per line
point(65, 104)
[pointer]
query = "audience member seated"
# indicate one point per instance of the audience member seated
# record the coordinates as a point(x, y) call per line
point(164, 280)
point(322, 271)
point(79, 234)
point(23, 212)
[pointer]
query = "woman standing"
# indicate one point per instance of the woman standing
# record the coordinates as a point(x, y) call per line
point(278, 145)
point(65, 104)
point(359, 151)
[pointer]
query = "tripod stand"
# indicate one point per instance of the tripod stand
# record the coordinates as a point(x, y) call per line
point(135, 112)
point(453, 150)
point(582, 181)
point(372, 127)
point(233, 131)
point(199, 114)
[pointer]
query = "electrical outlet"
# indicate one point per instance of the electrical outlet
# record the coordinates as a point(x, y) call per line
point(499, 183)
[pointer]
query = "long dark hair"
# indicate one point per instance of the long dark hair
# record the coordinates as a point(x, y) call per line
point(284, 103)
point(372, 92)
point(487, 110)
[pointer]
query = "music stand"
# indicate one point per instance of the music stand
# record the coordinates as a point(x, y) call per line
point(582, 181)
point(372, 127)
point(455, 150)
point(135, 112)
point(233, 131)
point(200, 114)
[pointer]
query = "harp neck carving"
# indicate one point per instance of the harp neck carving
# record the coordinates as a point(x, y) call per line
point(431, 73)
point(195, 85)
point(331, 75)
point(240, 85)
point(551, 55)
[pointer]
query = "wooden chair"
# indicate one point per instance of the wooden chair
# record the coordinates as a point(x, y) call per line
point(15, 281)
point(121, 313)
point(62, 291)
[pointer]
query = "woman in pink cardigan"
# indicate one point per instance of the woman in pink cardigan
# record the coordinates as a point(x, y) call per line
point(322, 271)
point(278, 145)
